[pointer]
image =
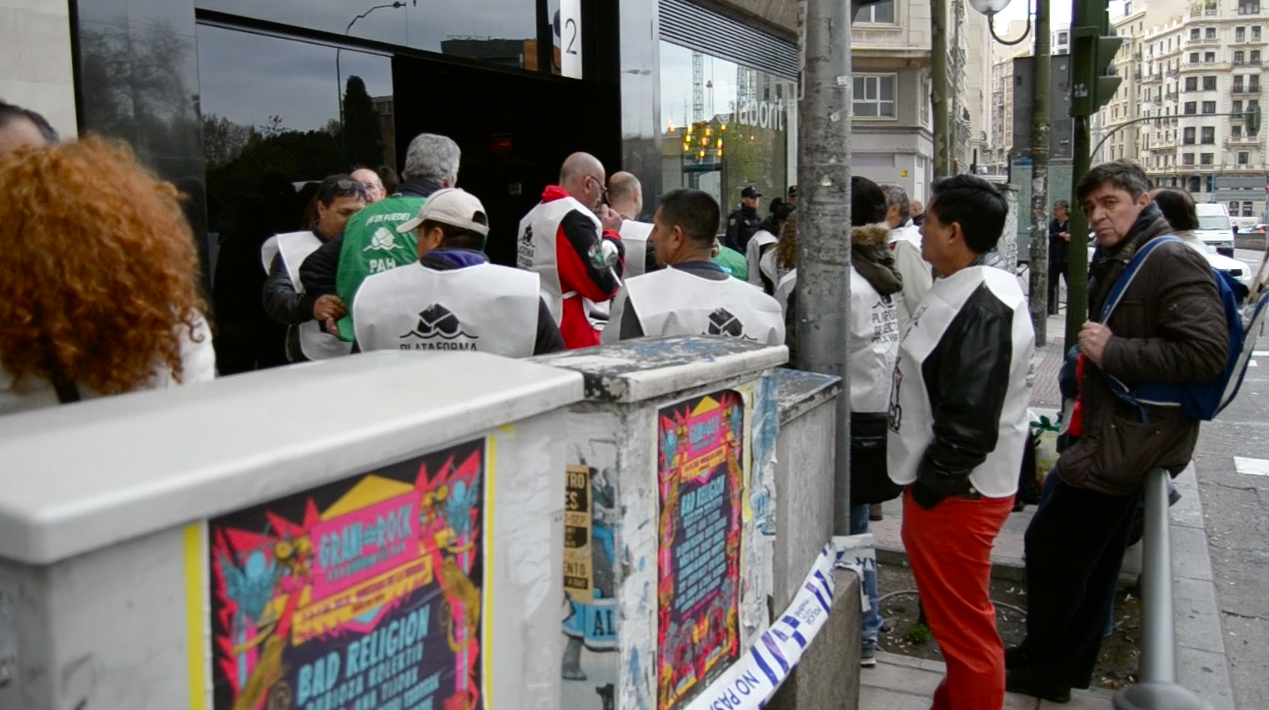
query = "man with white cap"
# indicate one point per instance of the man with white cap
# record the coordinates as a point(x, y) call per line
point(452, 298)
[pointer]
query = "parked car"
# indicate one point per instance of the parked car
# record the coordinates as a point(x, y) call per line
point(1255, 229)
point(1214, 227)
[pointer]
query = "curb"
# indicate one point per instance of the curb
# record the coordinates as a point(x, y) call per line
point(1202, 664)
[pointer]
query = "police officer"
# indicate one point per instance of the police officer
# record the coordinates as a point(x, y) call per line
point(742, 223)
point(452, 298)
point(694, 296)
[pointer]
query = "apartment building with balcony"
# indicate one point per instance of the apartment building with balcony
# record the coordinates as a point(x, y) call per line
point(893, 121)
point(1197, 69)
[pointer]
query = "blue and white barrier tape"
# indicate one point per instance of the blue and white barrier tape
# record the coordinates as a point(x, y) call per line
point(750, 682)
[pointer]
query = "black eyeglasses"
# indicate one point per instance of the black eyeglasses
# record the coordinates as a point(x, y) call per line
point(344, 188)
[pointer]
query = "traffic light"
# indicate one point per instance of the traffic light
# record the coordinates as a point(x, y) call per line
point(1253, 119)
point(1093, 48)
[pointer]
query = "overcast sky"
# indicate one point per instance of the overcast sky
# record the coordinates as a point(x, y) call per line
point(1059, 12)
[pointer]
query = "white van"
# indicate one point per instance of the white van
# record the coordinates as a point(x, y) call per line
point(1215, 228)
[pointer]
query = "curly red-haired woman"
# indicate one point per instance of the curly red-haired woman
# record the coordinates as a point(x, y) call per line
point(99, 289)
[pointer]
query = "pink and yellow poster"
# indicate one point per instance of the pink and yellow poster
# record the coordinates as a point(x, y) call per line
point(701, 475)
point(364, 593)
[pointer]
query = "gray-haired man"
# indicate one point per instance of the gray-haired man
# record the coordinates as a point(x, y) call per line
point(371, 243)
point(905, 244)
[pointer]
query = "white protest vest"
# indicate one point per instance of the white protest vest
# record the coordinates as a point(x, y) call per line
point(911, 417)
point(485, 308)
point(753, 255)
point(295, 247)
point(874, 345)
point(674, 302)
point(634, 237)
point(784, 289)
point(536, 248)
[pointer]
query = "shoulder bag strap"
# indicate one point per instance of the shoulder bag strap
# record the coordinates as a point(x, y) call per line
point(1125, 279)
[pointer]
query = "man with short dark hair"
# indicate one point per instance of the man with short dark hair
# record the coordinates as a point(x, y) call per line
point(1170, 327)
point(742, 223)
point(21, 127)
point(452, 298)
point(1059, 248)
point(958, 427)
point(338, 198)
point(693, 296)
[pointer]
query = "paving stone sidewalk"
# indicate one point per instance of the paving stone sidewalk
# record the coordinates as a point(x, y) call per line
point(903, 683)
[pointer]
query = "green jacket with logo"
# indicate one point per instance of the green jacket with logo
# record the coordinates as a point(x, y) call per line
point(372, 245)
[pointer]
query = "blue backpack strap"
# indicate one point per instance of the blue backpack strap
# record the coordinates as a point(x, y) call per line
point(1121, 390)
point(1125, 279)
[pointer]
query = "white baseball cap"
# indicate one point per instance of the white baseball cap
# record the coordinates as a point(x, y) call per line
point(453, 206)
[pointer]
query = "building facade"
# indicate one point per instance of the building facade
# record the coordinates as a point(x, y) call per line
point(1196, 68)
point(893, 120)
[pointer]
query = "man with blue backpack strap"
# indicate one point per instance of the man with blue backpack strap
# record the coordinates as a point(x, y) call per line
point(1157, 345)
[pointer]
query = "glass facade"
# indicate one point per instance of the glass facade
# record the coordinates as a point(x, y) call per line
point(498, 31)
point(724, 127)
point(137, 80)
point(272, 105)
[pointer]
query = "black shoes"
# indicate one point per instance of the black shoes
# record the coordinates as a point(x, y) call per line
point(1023, 680)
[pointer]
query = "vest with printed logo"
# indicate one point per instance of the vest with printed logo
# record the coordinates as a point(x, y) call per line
point(674, 302)
point(911, 414)
point(483, 308)
point(373, 246)
point(295, 247)
point(537, 244)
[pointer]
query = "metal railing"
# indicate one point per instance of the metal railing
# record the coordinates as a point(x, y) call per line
point(1158, 689)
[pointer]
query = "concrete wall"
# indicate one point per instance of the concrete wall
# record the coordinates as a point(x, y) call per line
point(35, 60)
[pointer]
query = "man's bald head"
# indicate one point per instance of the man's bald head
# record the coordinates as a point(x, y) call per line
point(625, 195)
point(582, 175)
point(374, 185)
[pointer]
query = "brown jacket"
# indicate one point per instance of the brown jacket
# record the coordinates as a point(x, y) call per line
point(1168, 327)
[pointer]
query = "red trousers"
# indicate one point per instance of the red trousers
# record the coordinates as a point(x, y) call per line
point(949, 549)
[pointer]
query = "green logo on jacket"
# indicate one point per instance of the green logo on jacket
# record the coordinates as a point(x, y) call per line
point(371, 246)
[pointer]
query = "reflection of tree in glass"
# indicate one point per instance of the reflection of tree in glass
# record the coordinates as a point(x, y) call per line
point(363, 137)
point(239, 156)
point(299, 155)
point(136, 88)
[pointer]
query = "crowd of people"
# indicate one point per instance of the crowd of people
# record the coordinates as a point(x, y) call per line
point(101, 295)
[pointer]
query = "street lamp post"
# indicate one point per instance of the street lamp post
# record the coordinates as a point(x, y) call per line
point(1039, 257)
point(339, 75)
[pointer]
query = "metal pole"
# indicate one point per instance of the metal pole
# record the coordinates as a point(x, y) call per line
point(939, 83)
point(1040, 120)
point(823, 216)
point(1158, 689)
point(1077, 254)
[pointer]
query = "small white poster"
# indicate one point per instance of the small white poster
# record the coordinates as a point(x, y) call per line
point(571, 38)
